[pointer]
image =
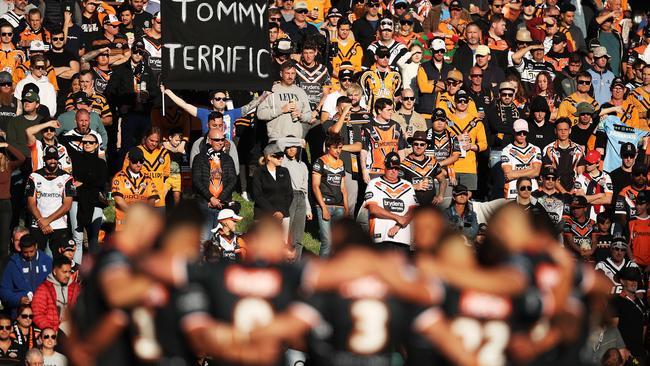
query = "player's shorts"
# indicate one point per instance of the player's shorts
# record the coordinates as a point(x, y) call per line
point(173, 183)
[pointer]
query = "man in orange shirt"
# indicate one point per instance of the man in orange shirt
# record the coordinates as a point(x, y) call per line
point(639, 229)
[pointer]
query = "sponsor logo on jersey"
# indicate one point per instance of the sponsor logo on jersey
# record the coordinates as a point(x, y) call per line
point(393, 205)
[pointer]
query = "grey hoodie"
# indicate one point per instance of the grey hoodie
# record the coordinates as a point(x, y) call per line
point(61, 294)
point(281, 124)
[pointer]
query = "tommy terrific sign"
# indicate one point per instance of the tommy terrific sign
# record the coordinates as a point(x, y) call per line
point(210, 44)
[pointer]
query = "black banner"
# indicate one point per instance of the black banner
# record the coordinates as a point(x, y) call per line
point(215, 44)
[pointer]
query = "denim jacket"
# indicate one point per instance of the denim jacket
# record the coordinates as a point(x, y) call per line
point(468, 224)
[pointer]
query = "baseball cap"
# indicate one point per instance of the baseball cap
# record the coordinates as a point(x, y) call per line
point(559, 38)
point(69, 245)
point(579, 201)
point(639, 168)
point(593, 44)
point(300, 5)
point(455, 4)
point(137, 45)
point(528, 3)
point(135, 154)
point(520, 125)
point(505, 85)
point(439, 114)
point(406, 18)
point(418, 136)
point(461, 95)
point(642, 197)
point(382, 51)
point(334, 13)
point(592, 157)
point(483, 50)
point(455, 75)
point(523, 35)
point(438, 44)
point(392, 160)
point(271, 149)
point(600, 51)
point(111, 19)
point(628, 149)
point(31, 96)
point(617, 81)
point(51, 152)
point(228, 214)
point(548, 171)
point(629, 274)
point(80, 97)
point(619, 241)
point(386, 24)
point(5, 77)
point(583, 108)
point(459, 188)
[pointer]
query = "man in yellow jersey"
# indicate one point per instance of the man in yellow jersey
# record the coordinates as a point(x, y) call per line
point(629, 113)
point(568, 106)
point(380, 81)
point(445, 99)
point(131, 185)
point(347, 49)
point(157, 162)
point(470, 132)
point(641, 97)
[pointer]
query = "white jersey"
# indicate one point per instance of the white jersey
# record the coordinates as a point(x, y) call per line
point(49, 192)
point(37, 150)
point(79, 147)
point(397, 198)
point(587, 185)
point(519, 158)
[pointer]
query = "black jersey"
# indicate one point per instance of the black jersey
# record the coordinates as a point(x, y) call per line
point(245, 295)
point(360, 324)
point(416, 171)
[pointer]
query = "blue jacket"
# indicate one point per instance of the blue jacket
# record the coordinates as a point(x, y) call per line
point(21, 276)
point(468, 224)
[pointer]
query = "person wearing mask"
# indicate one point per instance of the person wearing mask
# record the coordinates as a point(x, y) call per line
point(214, 177)
point(90, 174)
point(520, 159)
point(622, 176)
point(330, 192)
point(540, 129)
point(38, 77)
point(594, 184)
point(460, 213)
point(421, 170)
point(131, 186)
point(564, 155)
point(25, 333)
point(582, 131)
point(23, 274)
point(10, 160)
point(300, 208)
point(55, 296)
point(601, 76)
point(568, 106)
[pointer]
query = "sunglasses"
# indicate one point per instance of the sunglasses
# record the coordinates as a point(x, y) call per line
point(419, 144)
point(639, 174)
point(138, 52)
point(628, 157)
point(7, 34)
point(551, 178)
point(461, 101)
point(584, 82)
point(346, 79)
point(497, 5)
point(375, 5)
point(88, 142)
point(476, 76)
point(39, 67)
point(460, 194)
point(525, 188)
point(58, 39)
point(278, 155)
point(416, 53)
point(47, 336)
point(49, 129)
point(453, 82)
point(27, 316)
point(274, 19)
point(5, 327)
point(6, 84)
point(550, 24)
point(438, 51)
point(103, 54)
point(405, 22)
point(408, 98)
point(302, 11)
point(521, 133)
point(217, 140)
point(139, 161)
point(219, 99)
point(507, 95)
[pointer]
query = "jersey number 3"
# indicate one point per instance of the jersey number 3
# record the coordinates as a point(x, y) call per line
point(370, 321)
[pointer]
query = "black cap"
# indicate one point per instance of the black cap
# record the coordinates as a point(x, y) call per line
point(642, 197)
point(528, 3)
point(559, 37)
point(69, 245)
point(639, 168)
point(334, 13)
point(629, 274)
point(628, 149)
point(459, 188)
point(137, 45)
point(579, 201)
point(548, 171)
point(594, 43)
point(135, 154)
point(382, 51)
point(461, 95)
point(81, 97)
point(455, 4)
point(392, 160)
point(439, 114)
point(617, 81)
point(27, 241)
point(51, 152)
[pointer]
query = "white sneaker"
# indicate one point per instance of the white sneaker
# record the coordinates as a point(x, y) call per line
point(244, 195)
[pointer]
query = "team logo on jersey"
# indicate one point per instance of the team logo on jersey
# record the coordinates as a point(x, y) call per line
point(317, 166)
point(161, 160)
point(59, 185)
point(143, 185)
point(126, 184)
point(393, 205)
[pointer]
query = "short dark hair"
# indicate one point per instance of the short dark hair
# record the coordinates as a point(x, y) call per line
point(5, 317)
point(381, 103)
point(343, 99)
point(497, 18)
point(583, 74)
point(522, 179)
point(125, 7)
point(575, 58)
point(214, 92)
point(56, 30)
point(86, 72)
point(562, 120)
point(60, 261)
point(287, 65)
point(27, 241)
point(333, 139)
point(310, 45)
point(215, 115)
point(343, 21)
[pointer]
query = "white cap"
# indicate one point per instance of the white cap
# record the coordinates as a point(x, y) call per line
point(37, 46)
point(438, 44)
point(228, 214)
point(520, 125)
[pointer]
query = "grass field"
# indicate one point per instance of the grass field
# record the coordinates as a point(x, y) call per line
point(310, 241)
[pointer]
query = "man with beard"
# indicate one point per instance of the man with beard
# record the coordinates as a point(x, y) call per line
point(141, 18)
point(16, 16)
point(568, 106)
point(365, 29)
point(567, 15)
point(421, 170)
point(464, 55)
point(541, 130)
point(8, 103)
point(67, 120)
point(72, 140)
point(431, 78)
point(584, 129)
point(98, 100)
point(65, 64)
point(480, 94)
point(49, 194)
point(565, 82)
